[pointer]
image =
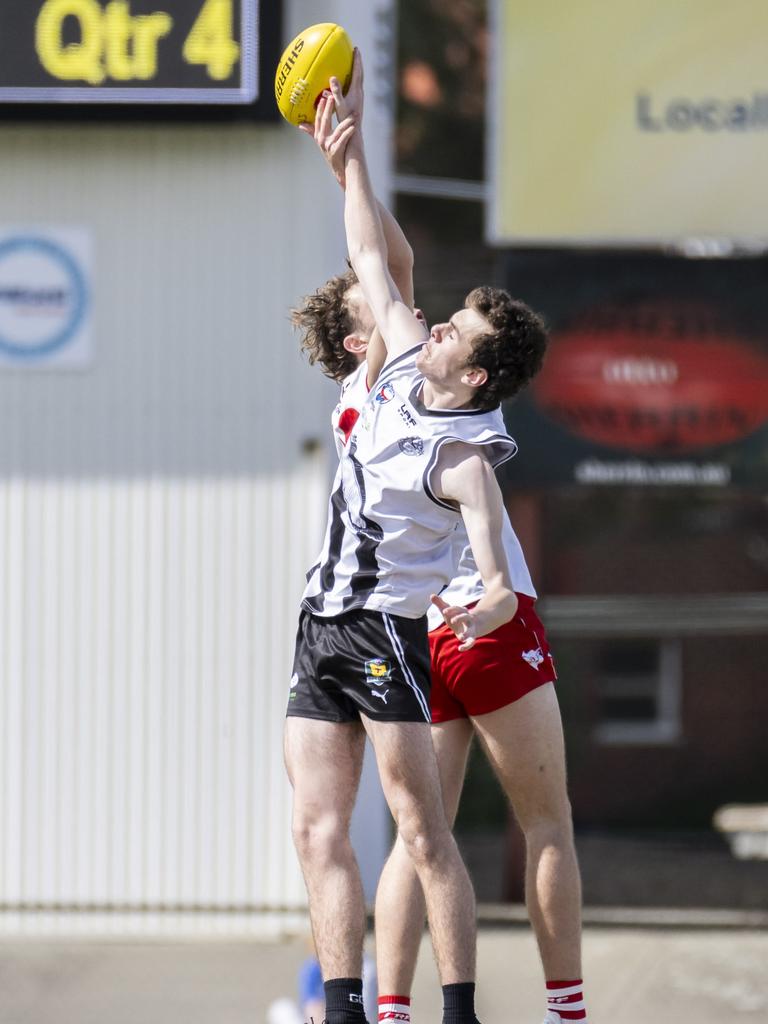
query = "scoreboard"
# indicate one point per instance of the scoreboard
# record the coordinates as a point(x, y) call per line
point(133, 56)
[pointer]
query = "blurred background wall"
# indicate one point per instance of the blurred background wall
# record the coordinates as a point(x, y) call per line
point(160, 503)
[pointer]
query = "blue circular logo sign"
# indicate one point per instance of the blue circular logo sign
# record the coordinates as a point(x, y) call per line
point(43, 297)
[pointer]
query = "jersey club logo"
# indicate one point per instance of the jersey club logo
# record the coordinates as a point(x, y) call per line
point(385, 394)
point(411, 445)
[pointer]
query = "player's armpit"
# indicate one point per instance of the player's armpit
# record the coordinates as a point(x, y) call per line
point(375, 357)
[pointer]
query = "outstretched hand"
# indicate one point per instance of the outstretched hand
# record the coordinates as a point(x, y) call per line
point(351, 104)
point(332, 142)
point(458, 619)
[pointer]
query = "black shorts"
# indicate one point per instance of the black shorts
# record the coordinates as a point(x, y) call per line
point(360, 662)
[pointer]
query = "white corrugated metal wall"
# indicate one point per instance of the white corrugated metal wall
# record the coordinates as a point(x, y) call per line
point(157, 512)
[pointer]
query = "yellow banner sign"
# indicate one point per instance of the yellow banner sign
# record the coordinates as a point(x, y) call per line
point(618, 122)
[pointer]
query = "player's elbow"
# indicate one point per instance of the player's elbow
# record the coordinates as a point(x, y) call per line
point(507, 603)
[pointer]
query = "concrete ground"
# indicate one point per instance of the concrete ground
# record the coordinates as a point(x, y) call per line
point(634, 976)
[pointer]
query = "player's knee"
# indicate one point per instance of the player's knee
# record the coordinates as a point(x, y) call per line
point(550, 825)
point(319, 838)
point(424, 840)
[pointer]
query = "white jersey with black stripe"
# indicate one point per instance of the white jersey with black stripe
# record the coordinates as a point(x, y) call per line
point(389, 542)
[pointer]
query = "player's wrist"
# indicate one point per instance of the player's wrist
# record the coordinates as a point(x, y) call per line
point(492, 612)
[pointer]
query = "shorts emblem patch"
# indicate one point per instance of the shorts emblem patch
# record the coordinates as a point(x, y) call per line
point(533, 657)
point(377, 671)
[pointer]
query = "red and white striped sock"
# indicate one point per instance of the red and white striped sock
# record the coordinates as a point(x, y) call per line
point(566, 998)
point(394, 1010)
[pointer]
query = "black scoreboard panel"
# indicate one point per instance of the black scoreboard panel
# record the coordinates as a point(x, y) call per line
point(138, 57)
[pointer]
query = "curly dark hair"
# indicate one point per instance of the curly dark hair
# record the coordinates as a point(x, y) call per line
point(513, 352)
point(325, 319)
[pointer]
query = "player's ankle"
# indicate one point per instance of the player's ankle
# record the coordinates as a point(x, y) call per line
point(565, 999)
point(394, 1009)
point(344, 1001)
point(459, 1003)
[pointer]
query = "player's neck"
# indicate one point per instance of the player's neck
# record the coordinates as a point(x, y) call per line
point(436, 397)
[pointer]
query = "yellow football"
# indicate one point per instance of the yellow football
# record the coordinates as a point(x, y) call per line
point(316, 55)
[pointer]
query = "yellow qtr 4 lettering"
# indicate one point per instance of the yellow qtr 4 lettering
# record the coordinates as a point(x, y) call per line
point(75, 61)
point(210, 42)
point(112, 44)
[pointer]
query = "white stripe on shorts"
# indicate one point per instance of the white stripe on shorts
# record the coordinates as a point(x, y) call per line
point(398, 649)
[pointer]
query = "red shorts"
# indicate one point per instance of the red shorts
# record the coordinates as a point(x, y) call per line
point(499, 669)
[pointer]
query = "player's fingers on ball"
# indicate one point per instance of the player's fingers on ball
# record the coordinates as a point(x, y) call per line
point(327, 115)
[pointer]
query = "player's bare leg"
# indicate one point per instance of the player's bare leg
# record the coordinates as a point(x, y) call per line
point(524, 743)
point(324, 762)
point(400, 907)
point(409, 777)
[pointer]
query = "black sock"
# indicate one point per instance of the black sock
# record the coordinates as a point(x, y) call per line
point(459, 1003)
point(344, 1001)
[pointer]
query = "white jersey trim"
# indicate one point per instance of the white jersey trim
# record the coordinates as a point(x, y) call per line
point(393, 364)
point(509, 449)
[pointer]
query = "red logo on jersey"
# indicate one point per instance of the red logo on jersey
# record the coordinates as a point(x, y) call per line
point(347, 422)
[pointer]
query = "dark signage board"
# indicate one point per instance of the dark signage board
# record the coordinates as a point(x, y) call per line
point(656, 374)
point(79, 57)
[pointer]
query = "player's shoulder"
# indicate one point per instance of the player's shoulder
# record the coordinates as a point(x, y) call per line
point(464, 474)
point(465, 457)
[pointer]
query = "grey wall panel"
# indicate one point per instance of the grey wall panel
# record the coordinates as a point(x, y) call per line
point(203, 238)
point(157, 512)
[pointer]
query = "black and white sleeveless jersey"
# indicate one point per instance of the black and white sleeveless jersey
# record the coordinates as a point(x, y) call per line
point(389, 541)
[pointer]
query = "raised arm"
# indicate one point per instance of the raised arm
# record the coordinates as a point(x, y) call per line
point(332, 143)
point(366, 239)
point(466, 477)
